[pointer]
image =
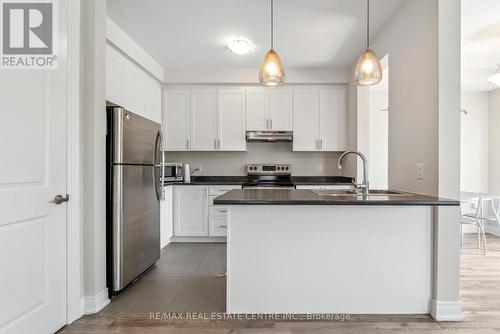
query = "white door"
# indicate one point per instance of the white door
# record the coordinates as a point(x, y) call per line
point(204, 120)
point(190, 211)
point(231, 119)
point(33, 109)
point(176, 120)
point(305, 120)
point(332, 124)
point(257, 110)
point(280, 109)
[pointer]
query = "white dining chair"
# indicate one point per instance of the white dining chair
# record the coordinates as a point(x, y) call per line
point(474, 218)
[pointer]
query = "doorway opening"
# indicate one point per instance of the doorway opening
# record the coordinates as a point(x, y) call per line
point(373, 128)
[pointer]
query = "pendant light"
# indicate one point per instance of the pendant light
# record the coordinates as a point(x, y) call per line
point(272, 72)
point(368, 70)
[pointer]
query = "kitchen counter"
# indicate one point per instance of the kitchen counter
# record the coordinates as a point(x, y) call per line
point(294, 251)
point(308, 197)
point(237, 180)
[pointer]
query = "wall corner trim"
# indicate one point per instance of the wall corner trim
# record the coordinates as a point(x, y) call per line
point(446, 310)
point(93, 304)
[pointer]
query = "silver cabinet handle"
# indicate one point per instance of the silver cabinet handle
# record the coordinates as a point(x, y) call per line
point(271, 123)
point(218, 144)
point(321, 144)
point(188, 144)
point(59, 199)
point(223, 211)
point(215, 143)
point(222, 226)
point(317, 144)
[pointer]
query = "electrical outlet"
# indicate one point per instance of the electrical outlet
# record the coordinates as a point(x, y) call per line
point(319, 168)
point(420, 171)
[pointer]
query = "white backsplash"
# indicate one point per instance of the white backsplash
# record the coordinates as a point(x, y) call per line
point(233, 163)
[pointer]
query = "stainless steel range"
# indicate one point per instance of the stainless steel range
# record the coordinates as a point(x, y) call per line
point(269, 176)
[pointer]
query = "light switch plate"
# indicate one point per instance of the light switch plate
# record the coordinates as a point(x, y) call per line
point(420, 171)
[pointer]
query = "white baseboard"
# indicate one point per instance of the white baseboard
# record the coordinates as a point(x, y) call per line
point(93, 304)
point(493, 228)
point(198, 239)
point(446, 311)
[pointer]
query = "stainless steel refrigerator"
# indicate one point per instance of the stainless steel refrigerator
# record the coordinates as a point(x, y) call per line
point(134, 190)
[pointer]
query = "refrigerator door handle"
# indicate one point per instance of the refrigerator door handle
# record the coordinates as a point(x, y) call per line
point(162, 167)
point(157, 164)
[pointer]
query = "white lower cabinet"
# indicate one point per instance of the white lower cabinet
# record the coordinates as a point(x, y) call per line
point(217, 221)
point(191, 211)
point(194, 212)
point(166, 216)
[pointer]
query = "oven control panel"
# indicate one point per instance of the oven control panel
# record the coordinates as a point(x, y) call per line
point(269, 169)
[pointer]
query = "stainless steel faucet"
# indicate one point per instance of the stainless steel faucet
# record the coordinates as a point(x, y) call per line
point(365, 186)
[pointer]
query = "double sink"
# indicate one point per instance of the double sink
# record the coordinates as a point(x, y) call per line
point(354, 192)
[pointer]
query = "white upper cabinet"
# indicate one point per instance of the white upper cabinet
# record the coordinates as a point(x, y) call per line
point(257, 106)
point(306, 120)
point(231, 120)
point(269, 109)
point(176, 123)
point(115, 76)
point(319, 120)
point(128, 86)
point(332, 120)
point(215, 118)
point(281, 109)
point(204, 120)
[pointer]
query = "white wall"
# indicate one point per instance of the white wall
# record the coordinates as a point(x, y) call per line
point(410, 38)
point(474, 142)
point(494, 143)
point(233, 163)
point(93, 116)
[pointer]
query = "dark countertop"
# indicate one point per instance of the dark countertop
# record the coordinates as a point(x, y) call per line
point(239, 180)
point(308, 197)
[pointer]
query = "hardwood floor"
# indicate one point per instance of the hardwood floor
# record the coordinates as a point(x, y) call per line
point(480, 293)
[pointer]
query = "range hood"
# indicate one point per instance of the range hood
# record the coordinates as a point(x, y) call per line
point(269, 136)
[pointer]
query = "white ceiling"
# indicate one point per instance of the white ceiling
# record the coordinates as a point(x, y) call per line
point(191, 34)
point(480, 43)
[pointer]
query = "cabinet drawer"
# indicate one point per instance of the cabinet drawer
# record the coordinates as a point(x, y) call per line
point(221, 190)
point(217, 221)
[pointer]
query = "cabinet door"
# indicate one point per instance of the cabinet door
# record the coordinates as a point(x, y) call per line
point(152, 101)
point(115, 76)
point(257, 109)
point(203, 120)
point(231, 120)
point(332, 120)
point(281, 109)
point(190, 211)
point(166, 216)
point(305, 120)
point(134, 90)
point(176, 120)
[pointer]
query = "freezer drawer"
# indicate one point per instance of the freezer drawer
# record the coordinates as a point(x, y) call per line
point(135, 223)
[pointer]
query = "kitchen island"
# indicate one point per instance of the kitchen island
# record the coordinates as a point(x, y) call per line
point(299, 251)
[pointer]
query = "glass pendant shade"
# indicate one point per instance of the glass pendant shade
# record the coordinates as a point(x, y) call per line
point(272, 72)
point(368, 70)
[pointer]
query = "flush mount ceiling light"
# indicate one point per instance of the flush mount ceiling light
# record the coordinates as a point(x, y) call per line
point(272, 72)
point(368, 70)
point(240, 46)
point(495, 78)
